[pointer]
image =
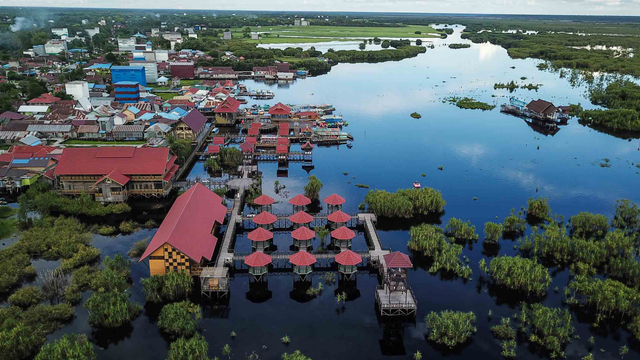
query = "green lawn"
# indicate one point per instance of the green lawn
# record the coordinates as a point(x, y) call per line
point(291, 59)
point(166, 96)
point(308, 32)
point(297, 40)
point(98, 142)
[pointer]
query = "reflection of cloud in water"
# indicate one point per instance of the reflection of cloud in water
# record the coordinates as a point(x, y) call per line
point(475, 152)
point(528, 181)
point(487, 51)
point(405, 100)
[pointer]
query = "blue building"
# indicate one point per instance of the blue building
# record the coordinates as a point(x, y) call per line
point(126, 92)
point(128, 73)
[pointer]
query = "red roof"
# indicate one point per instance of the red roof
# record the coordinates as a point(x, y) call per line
point(195, 120)
point(213, 149)
point(302, 258)
point(348, 258)
point(220, 90)
point(398, 260)
point(260, 234)
point(299, 200)
point(229, 83)
point(246, 146)
point(257, 258)
point(303, 233)
point(172, 171)
point(307, 145)
point(256, 125)
point(187, 227)
point(334, 199)
point(265, 218)
point(343, 233)
point(283, 125)
point(279, 109)
point(263, 200)
point(251, 140)
point(218, 140)
point(282, 149)
point(102, 160)
point(44, 99)
point(301, 217)
point(307, 114)
point(116, 176)
point(283, 141)
point(283, 131)
point(229, 105)
point(338, 217)
point(253, 132)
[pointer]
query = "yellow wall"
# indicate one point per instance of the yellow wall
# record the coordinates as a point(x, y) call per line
point(157, 266)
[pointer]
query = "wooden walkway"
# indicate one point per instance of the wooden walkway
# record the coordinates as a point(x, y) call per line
point(201, 144)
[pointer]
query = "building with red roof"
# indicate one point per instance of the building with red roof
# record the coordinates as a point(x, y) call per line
point(265, 218)
point(398, 260)
point(213, 150)
point(264, 200)
point(227, 111)
point(253, 132)
point(301, 217)
point(112, 174)
point(339, 217)
point(261, 239)
point(347, 263)
point(302, 262)
point(190, 126)
point(44, 99)
point(283, 129)
point(257, 263)
point(218, 140)
point(247, 147)
point(185, 240)
point(342, 236)
point(280, 111)
point(302, 237)
point(299, 200)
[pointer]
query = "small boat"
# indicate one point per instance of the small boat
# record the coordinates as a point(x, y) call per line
point(215, 130)
point(416, 185)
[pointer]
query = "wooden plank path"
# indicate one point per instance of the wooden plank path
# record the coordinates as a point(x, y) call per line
point(201, 142)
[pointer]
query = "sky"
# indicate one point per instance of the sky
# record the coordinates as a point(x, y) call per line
point(545, 7)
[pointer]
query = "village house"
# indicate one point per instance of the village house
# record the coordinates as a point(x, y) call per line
point(112, 174)
point(128, 132)
point(280, 112)
point(190, 126)
point(542, 109)
point(227, 112)
point(185, 240)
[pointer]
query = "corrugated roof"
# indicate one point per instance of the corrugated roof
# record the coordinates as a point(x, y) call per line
point(128, 128)
point(195, 120)
point(50, 128)
point(101, 161)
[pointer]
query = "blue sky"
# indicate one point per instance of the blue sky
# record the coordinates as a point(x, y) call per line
point(547, 7)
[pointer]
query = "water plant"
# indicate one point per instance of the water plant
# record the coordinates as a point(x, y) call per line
point(171, 287)
point(504, 331)
point(329, 278)
point(286, 340)
point(450, 328)
point(415, 115)
point(513, 225)
point(296, 355)
point(26, 297)
point(405, 203)
point(69, 346)
point(111, 309)
point(550, 328)
point(194, 348)
point(417, 355)
point(315, 291)
point(363, 186)
point(509, 349)
point(469, 103)
point(539, 209)
point(312, 189)
point(492, 232)
point(462, 232)
point(106, 230)
point(430, 240)
point(179, 319)
point(137, 249)
point(520, 274)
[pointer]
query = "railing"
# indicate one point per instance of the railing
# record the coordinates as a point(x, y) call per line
point(77, 191)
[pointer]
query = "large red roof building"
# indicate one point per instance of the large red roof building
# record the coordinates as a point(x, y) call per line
point(112, 174)
point(185, 240)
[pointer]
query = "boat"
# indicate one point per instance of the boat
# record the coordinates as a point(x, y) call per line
point(241, 100)
point(416, 185)
point(215, 130)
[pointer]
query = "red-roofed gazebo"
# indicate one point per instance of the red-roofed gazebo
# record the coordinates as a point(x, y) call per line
point(339, 218)
point(398, 260)
point(302, 237)
point(260, 238)
point(302, 262)
point(265, 219)
point(301, 217)
point(264, 201)
point(299, 202)
point(218, 140)
point(347, 263)
point(341, 237)
point(334, 199)
point(257, 263)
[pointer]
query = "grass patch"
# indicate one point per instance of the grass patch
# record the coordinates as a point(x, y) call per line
point(469, 103)
point(363, 186)
point(415, 115)
point(166, 96)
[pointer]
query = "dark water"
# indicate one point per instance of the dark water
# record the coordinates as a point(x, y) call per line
point(487, 155)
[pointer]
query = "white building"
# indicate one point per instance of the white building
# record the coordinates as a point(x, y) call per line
point(193, 36)
point(150, 70)
point(85, 21)
point(304, 23)
point(161, 55)
point(93, 32)
point(255, 36)
point(149, 56)
point(60, 31)
point(77, 89)
point(296, 22)
point(127, 44)
point(226, 35)
point(54, 47)
point(155, 31)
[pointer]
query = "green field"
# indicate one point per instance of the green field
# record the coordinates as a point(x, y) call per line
point(307, 34)
point(166, 96)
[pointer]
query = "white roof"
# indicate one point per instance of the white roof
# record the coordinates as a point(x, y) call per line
point(33, 108)
point(30, 140)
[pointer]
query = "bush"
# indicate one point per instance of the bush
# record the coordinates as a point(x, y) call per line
point(111, 309)
point(128, 226)
point(450, 328)
point(137, 249)
point(170, 287)
point(194, 348)
point(179, 319)
point(492, 232)
point(405, 203)
point(504, 331)
point(550, 328)
point(538, 209)
point(430, 240)
point(513, 225)
point(26, 297)
point(55, 238)
point(587, 225)
point(462, 232)
point(296, 355)
point(70, 346)
point(106, 230)
point(312, 189)
point(520, 274)
point(39, 198)
point(85, 255)
point(15, 264)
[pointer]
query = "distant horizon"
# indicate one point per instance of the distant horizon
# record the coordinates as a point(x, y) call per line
point(608, 8)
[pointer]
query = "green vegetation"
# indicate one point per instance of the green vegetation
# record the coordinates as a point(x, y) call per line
point(179, 319)
point(504, 331)
point(405, 203)
point(538, 209)
point(469, 103)
point(26, 297)
point(128, 226)
point(520, 274)
point(513, 225)
point(285, 339)
point(608, 298)
point(621, 99)
point(431, 241)
point(39, 198)
point(587, 225)
point(550, 328)
point(296, 355)
point(511, 86)
point(312, 189)
point(374, 56)
point(106, 230)
point(415, 115)
point(362, 186)
point(180, 147)
point(170, 287)
point(69, 346)
point(509, 349)
point(111, 309)
point(492, 232)
point(461, 232)
point(194, 348)
point(7, 223)
point(450, 328)
point(459, 46)
point(137, 249)
point(287, 32)
point(228, 160)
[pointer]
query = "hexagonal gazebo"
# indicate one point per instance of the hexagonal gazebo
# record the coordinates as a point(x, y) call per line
point(302, 237)
point(265, 220)
point(348, 263)
point(257, 263)
point(265, 202)
point(334, 202)
point(300, 218)
point(299, 202)
point(302, 262)
point(341, 237)
point(260, 238)
point(338, 219)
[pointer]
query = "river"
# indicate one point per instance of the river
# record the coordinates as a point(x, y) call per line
point(491, 163)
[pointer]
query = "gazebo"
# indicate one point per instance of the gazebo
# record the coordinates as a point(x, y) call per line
point(302, 237)
point(395, 280)
point(302, 262)
point(257, 263)
point(299, 202)
point(265, 219)
point(341, 237)
point(347, 263)
point(260, 238)
point(300, 218)
point(334, 202)
point(265, 202)
point(247, 151)
point(338, 219)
